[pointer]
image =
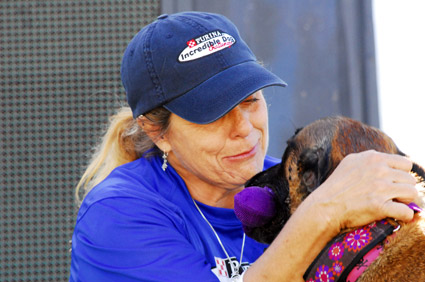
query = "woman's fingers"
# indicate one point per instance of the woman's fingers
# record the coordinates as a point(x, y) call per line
point(400, 194)
point(398, 211)
point(404, 193)
point(369, 186)
point(399, 176)
point(398, 162)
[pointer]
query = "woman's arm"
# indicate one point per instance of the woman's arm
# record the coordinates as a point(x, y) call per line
point(365, 187)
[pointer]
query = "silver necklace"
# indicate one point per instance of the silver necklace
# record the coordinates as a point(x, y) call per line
point(235, 270)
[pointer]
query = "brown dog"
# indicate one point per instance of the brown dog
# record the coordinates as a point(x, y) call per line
point(311, 156)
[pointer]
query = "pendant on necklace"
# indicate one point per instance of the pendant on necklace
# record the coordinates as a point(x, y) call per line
point(234, 264)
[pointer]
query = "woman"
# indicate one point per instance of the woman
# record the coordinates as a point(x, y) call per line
point(196, 132)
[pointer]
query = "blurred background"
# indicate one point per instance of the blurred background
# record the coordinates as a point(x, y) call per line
point(59, 83)
point(400, 56)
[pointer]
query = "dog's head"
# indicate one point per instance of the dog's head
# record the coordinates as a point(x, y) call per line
point(314, 152)
point(311, 155)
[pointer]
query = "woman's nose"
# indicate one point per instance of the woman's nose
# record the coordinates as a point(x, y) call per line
point(241, 122)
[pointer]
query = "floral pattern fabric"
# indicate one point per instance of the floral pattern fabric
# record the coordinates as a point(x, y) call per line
point(346, 252)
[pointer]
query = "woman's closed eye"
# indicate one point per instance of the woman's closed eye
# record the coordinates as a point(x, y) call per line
point(250, 100)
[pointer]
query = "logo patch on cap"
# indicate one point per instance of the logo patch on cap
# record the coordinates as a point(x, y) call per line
point(205, 45)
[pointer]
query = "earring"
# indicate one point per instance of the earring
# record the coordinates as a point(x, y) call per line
point(164, 164)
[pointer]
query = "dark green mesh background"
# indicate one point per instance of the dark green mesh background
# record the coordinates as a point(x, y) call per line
point(59, 81)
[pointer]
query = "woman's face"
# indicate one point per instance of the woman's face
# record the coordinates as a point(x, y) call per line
point(222, 154)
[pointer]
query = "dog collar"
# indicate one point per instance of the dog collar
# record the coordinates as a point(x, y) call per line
point(348, 255)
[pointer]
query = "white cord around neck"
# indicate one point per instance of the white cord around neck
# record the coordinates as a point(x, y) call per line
point(234, 275)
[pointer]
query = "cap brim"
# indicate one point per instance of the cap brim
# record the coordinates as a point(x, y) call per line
point(215, 97)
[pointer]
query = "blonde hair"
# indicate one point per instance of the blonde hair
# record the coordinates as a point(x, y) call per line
point(124, 141)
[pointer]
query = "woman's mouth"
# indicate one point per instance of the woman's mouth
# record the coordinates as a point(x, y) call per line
point(244, 155)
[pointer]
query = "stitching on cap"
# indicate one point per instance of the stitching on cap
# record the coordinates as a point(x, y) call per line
point(149, 63)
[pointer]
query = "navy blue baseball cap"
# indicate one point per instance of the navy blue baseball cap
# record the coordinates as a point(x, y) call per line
point(194, 64)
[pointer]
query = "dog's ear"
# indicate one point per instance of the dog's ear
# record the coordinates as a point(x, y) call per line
point(308, 168)
point(298, 130)
point(313, 167)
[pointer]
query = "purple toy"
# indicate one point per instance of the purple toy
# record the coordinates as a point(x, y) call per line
point(255, 206)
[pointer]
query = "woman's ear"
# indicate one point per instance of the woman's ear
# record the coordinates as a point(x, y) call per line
point(153, 131)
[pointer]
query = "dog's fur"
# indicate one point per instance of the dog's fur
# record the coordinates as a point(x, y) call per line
point(311, 156)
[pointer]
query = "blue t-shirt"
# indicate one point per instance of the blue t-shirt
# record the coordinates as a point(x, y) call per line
point(140, 224)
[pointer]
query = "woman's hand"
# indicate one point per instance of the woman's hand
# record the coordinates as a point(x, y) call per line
point(365, 187)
